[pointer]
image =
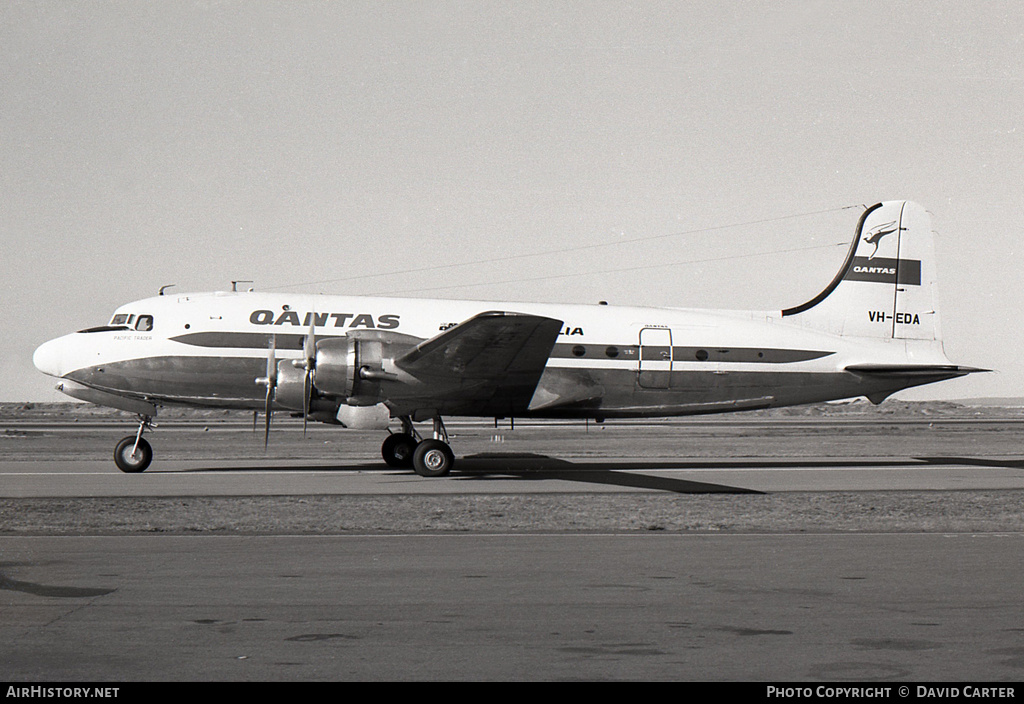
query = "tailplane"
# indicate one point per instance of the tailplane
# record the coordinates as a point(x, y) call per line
point(886, 288)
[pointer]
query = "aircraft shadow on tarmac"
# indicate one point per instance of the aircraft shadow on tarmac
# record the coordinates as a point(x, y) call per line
point(975, 462)
point(532, 467)
point(627, 474)
point(624, 473)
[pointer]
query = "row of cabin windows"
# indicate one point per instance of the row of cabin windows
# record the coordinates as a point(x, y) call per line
point(612, 352)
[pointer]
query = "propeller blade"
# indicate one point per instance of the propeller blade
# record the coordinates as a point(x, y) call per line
point(309, 352)
point(309, 347)
point(268, 412)
point(271, 382)
point(271, 362)
point(306, 391)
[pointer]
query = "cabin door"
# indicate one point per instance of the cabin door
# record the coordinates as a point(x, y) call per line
point(655, 364)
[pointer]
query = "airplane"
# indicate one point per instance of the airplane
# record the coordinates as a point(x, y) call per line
point(371, 362)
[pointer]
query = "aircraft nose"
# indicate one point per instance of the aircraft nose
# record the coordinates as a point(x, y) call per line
point(49, 357)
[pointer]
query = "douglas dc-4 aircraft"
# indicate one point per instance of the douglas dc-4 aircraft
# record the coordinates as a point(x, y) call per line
point(365, 362)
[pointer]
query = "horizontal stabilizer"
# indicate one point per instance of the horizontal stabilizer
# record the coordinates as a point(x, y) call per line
point(913, 370)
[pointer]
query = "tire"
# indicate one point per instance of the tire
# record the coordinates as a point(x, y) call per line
point(433, 458)
point(398, 450)
point(127, 462)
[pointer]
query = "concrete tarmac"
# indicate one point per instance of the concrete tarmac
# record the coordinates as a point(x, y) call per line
point(65, 460)
point(861, 608)
point(509, 475)
point(819, 604)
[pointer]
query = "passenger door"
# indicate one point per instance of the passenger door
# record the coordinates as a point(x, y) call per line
point(655, 363)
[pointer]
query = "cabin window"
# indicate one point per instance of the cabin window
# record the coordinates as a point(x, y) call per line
point(579, 350)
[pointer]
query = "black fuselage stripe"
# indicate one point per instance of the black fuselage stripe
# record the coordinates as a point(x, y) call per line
point(663, 353)
point(562, 350)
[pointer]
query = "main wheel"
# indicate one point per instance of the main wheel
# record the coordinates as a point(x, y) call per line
point(130, 462)
point(433, 458)
point(398, 449)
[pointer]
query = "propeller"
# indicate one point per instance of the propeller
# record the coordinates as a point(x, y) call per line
point(270, 381)
point(308, 363)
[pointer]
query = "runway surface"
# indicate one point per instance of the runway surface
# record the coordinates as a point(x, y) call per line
point(794, 608)
point(802, 551)
point(517, 475)
point(67, 460)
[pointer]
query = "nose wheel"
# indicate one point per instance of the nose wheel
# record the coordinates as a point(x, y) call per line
point(133, 457)
point(133, 454)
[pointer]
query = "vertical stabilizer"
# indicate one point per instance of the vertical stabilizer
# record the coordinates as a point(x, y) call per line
point(886, 287)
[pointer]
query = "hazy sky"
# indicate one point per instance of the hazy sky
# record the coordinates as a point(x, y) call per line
point(655, 153)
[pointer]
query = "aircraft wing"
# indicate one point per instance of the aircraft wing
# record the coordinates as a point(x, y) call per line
point(495, 358)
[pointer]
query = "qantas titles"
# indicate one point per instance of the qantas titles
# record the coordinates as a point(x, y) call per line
point(320, 320)
point(887, 270)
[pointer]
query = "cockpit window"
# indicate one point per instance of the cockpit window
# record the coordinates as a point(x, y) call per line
point(127, 321)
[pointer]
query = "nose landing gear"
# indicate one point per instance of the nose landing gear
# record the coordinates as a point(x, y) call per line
point(133, 454)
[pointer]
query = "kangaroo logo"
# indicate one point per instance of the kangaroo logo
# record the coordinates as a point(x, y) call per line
point(877, 233)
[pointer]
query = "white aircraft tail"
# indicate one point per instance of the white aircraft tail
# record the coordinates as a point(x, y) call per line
point(886, 288)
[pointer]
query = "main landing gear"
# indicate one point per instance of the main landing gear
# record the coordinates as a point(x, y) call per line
point(133, 454)
point(432, 457)
point(428, 457)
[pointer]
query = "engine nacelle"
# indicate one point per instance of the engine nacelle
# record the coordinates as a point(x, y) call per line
point(352, 367)
point(288, 391)
point(336, 366)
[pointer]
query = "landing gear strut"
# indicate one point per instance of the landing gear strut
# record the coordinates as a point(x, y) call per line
point(428, 458)
point(133, 454)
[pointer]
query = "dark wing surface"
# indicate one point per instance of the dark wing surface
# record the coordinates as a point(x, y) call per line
point(490, 363)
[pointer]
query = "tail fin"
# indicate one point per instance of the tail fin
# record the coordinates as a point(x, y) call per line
point(886, 287)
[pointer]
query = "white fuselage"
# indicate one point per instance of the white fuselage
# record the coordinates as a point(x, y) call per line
point(208, 349)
